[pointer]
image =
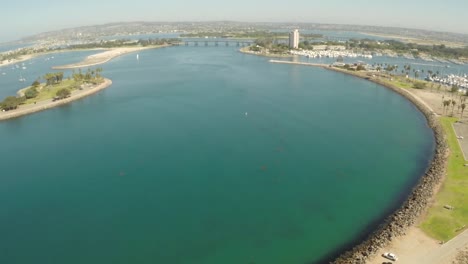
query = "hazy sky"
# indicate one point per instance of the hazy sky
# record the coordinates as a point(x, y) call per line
point(20, 18)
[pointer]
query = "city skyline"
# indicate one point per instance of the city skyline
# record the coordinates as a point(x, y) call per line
point(27, 17)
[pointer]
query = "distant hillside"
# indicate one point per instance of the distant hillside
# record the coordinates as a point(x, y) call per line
point(130, 28)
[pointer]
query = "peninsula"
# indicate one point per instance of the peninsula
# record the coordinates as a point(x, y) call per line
point(55, 92)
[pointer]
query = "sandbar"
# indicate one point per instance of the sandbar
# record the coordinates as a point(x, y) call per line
point(18, 60)
point(104, 57)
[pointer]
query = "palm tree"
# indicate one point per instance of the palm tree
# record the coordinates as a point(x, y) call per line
point(453, 105)
point(446, 104)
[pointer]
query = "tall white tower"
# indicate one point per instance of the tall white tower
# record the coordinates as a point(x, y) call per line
point(294, 39)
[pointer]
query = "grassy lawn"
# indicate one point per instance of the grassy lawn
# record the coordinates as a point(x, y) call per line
point(401, 82)
point(440, 223)
point(49, 92)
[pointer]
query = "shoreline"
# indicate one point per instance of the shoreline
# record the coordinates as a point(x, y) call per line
point(104, 57)
point(418, 201)
point(15, 61)
point(246, 51)
point(23, 110)
point(27, 57)
point(416, 40)
point(404, 219)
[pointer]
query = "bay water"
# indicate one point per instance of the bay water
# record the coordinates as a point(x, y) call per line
point(204, 155)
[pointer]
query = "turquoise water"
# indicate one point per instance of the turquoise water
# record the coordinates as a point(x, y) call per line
point(35, 68)
point(207, 156)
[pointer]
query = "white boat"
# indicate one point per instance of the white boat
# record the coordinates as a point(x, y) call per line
point(138, 56)
point(24, 68)
point(22, 79)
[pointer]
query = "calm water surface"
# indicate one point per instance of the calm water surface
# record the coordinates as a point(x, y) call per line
point(205, 156)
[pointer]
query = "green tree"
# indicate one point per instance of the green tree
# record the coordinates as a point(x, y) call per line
point(390, 68)
point(11, 102)
point(453, 105)
point(36, 83)
point(31, 93)
point(63, 93)
point(58, 77)
point(49, 78)
point(98, 73)
point(446, 103)
point(77, 76)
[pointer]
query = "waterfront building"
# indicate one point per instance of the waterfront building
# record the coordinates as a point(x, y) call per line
point(294, 39)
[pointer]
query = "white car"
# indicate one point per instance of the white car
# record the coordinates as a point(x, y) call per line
point(390, 256)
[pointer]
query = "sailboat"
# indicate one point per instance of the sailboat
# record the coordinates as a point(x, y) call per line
point(138, 56)
point(22, 79)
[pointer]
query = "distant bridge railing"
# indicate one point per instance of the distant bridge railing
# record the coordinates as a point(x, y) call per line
point(216, 43)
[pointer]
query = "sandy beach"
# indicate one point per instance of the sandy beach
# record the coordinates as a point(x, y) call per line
point(19, 60)
point(24, 58)
point(47, 104)
point(103, 57)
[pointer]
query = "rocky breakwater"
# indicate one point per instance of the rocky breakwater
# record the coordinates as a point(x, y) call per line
point(396, 224)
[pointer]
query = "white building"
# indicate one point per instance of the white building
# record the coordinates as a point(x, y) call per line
point(294, 39)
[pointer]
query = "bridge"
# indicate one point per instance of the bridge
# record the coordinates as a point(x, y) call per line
point(216, 43)
point(335, 38)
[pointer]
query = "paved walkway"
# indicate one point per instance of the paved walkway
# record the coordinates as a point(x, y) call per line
point(461, 129)
point(447, 252)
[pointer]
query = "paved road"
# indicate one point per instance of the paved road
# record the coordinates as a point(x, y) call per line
point(417, 248)
point(448, 251)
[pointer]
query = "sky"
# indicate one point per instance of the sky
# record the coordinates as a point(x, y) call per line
point(22, 18)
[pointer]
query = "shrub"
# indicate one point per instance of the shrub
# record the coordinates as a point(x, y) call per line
point(419, 85)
